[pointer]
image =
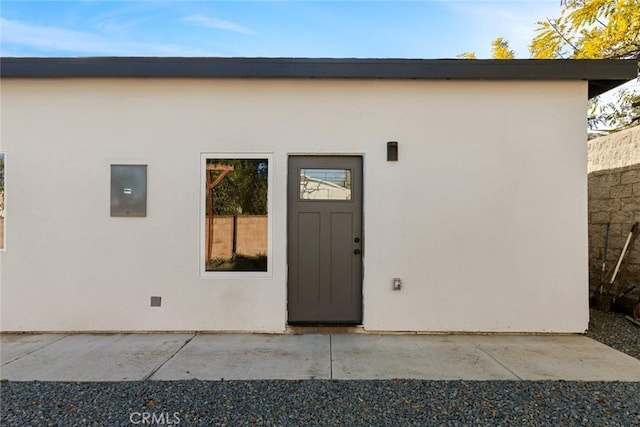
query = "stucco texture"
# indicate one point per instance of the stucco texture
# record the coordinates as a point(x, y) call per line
point(483, 219)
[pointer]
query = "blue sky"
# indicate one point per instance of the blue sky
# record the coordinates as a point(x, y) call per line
point(364, 29)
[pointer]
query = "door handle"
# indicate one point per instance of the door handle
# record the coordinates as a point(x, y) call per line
point(356, 251)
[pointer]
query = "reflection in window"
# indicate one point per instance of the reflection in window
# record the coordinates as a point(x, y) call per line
point(1, 200)
point(236, 229)
point(325, 184)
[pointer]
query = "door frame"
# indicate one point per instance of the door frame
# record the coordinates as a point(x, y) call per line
point(362, 226)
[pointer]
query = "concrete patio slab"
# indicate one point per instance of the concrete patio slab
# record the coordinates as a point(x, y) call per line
point(166, 356)
point(570, 358)
point(250, 357)
point(430, 357)
point(104, 357)
point(15, 346)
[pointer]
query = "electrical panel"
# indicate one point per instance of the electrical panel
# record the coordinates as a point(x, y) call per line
point(129, 190)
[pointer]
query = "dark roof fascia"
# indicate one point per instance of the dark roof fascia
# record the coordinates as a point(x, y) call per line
point(602, 74)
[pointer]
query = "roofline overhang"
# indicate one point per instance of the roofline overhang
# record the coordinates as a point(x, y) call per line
point(602, 74)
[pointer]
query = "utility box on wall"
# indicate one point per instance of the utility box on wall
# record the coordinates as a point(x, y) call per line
point(129, 190)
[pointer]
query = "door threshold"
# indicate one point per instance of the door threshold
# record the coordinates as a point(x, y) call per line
point(306, 329)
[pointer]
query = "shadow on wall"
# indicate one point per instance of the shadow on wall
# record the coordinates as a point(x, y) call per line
point(614, 199)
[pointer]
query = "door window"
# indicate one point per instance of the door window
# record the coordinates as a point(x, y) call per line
point(325, 184)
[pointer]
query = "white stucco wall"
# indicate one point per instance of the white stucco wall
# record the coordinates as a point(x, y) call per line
point(484, 219)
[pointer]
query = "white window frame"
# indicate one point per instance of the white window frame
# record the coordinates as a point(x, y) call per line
point(204, 274)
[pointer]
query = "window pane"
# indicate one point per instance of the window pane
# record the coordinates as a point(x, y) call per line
point(325, 184)
point(1, 200)
point(236, 229)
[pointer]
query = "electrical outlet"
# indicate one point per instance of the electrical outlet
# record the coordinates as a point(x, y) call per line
point(397, 284)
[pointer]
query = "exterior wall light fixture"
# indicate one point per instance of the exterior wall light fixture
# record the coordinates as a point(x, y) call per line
point(392, 151)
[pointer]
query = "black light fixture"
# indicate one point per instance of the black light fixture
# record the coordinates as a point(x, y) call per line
point(392, 151)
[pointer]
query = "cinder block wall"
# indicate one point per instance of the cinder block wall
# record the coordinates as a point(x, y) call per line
point(614, 196)
point(251, 239)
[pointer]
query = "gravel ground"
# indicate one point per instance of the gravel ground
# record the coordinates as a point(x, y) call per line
point(615, 331)
point(344, 403)
point(314, 402)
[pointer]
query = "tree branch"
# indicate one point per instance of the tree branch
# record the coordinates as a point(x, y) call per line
point(555, 28)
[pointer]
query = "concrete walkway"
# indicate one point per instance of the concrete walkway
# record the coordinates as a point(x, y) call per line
point(161, 356)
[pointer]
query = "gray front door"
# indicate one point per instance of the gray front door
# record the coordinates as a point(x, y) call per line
point(325, 239)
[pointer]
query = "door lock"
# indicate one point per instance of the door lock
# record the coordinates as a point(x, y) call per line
point(356, 251)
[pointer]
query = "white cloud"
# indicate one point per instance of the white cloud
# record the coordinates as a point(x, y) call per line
point(116, 25)
point(17, 36)
point(215, 23)
point(14, 32)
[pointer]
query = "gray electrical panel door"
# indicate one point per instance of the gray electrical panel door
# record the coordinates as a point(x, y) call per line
point(129, 190)
point(325, 239)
